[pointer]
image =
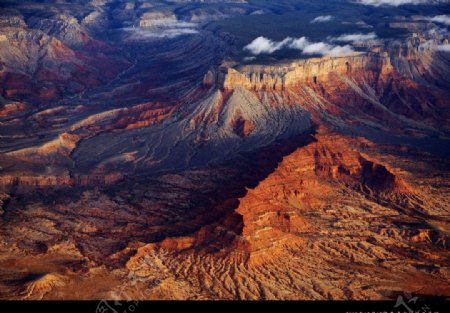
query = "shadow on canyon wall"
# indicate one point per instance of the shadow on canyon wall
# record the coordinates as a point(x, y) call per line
point(144, 208)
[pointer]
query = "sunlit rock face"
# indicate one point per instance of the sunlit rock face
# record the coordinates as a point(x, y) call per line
point(144, 152)
point(279, 78)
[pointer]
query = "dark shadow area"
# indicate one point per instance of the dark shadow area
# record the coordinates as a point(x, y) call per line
point(146, 208)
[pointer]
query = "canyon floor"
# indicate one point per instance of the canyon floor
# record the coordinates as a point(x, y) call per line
point(170, 150)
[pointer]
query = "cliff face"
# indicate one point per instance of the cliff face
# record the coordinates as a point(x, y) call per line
point(311, 71)
point(417, 58)
point(387, 88)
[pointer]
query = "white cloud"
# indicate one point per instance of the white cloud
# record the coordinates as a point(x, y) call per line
point(299, 43)
point(394, 2)
point(142, 34)
point(443, 19)
point(161, 29)
point(316, 48)
point(322, 19)
point(355, 38)
point(249, 59)
point(323, 48)
point(264, 45)
point(171, 24)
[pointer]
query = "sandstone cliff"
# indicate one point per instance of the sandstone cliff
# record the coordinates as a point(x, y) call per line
point(312, 70)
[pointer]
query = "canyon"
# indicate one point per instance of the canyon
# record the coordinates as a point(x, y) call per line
point(142, 158)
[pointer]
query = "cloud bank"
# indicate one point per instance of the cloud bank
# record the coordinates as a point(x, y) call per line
point(161, 29)
point(443, 19)
point(322, 19)
point(263, 45)
point(327, 49)
point(355, 38)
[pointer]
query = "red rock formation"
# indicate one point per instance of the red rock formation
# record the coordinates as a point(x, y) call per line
point(269, 219)
point(312, 71)
point(11, 108)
